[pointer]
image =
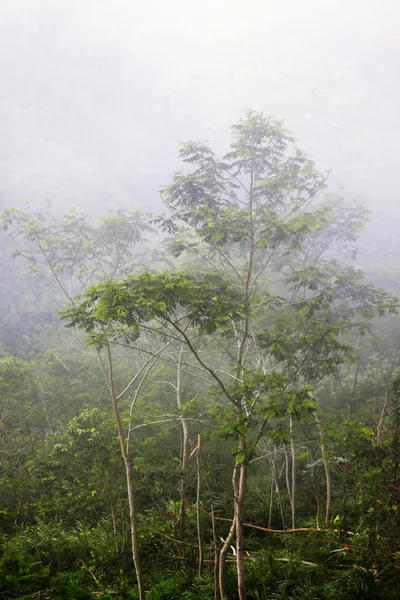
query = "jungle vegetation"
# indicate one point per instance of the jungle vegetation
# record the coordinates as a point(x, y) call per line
point(203, 403)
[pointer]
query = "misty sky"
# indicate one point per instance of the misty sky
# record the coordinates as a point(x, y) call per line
point(96, 94)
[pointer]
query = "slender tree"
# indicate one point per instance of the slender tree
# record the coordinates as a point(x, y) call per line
point(72, 252)
point(262, 276)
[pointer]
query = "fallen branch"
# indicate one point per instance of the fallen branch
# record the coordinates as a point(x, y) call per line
point(267, 529)
point(302, 562)
point(344, 547)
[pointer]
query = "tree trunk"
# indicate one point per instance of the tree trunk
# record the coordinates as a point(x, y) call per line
point(239, 510)
point(271, 499)
point(123, 528)
point(199, 515)
point(184, 453)
point(129, 473)
point(240, 480)
point(327, 470)
point(182, 481)
point(277, 490)
point(293, 461)
point(383, 415)
point(222, 560)
point(216, 557)
point(227, 544)
point(287, 476)
point(115, 532)
point(133, 524)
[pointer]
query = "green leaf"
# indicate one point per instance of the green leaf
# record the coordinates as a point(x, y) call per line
point(240, 457)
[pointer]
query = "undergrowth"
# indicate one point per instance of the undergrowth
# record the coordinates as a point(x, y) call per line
point(50, 561)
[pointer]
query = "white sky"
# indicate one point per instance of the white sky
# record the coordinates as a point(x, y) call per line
point(96, 94)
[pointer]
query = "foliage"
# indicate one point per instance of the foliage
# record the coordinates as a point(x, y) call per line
point(263, 338)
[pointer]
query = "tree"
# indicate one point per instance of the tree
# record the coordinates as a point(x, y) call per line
point(81, 474)
point(72, 252)
point(266, 278)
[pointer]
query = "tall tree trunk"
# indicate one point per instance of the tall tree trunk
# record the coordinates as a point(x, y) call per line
point(240, 483)
point(277, 490)
point(325, 462)
point(293, 464)
point(239, 517)
point(287, 476)
point(222, 560)
point(123, 528)
point(383, 414)
point(216, 557)
point(184, 452)
point(355, 380)
point(133, 523)
point(227, 543)
point(199, 515)
point(129, 474)
point(240, 471)
point(385, 403)
point(278, 495)
point(271, 498)
point(115, 532)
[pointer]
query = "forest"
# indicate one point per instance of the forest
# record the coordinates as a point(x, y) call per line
point(202, 403)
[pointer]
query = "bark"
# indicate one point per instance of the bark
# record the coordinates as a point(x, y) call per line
point(287, 477)
point(239, 516)
point(240, 483)
point(129, 474)
point(216, 557)
point(227, 544)
point(115, 533)
point(134, 533)
point(123, 528)
point(184, 453)
point(271, 499)
point(327, 470)
point(199, 515)
point(222, 560)
point(379, 427)
point(293, 464)
point(277, 490)
point(356, 375)
point(318, 510)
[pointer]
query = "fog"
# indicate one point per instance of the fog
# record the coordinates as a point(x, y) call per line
point(96, 95)
point(207, 403)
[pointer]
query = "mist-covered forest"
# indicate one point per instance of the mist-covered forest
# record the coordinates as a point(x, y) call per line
point(199, 340)
point(204, 401)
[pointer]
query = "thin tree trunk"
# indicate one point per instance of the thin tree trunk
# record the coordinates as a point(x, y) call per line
point(129, 474)
point(318, 510)
point(356, 376)
point(134, 534)
point(184, 453)
point(383, 414)
point(278, 495)
point(293, 461)
point(240, 482)
point(239, 516)
point(216, 556)
point(277, 490)
point(115, 533)
point(327, 470)
point(226, 545)
point(199, 514)
point(123, 528)
point(271, 499)
point(287, 478)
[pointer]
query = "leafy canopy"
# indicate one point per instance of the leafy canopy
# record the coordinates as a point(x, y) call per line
point(210, 303)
